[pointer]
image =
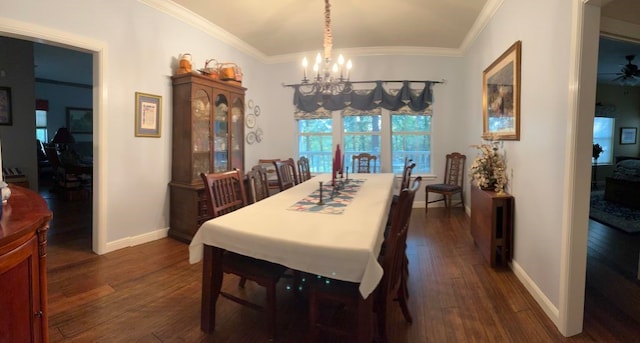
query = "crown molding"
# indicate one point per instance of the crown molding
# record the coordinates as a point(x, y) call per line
point(371, 51)
point(190, 18)
point(619, 29)
point(197, 21)
point(482, 20)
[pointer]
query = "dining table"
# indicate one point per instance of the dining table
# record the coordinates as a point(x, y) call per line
point(328, 227)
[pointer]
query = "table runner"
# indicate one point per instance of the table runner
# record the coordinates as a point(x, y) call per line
point(332, 204)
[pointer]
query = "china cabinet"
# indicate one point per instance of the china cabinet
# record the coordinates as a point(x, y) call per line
point(208, 132)
point(23, 268)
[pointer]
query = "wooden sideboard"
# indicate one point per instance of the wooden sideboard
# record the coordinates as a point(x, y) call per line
point(23, 268)
point(492, 225)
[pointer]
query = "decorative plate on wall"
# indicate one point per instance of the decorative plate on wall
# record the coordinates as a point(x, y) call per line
point(251, 120)
point(251, 137)
point(256, 110)
point(250, 104)
point(259, 135)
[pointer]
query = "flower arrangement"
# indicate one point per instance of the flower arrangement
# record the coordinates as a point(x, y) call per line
point(597, 150)
point(488, 170)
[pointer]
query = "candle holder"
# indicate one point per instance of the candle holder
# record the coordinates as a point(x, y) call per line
point(320, 201)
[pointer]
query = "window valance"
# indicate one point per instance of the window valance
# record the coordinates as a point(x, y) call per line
point(416, 100)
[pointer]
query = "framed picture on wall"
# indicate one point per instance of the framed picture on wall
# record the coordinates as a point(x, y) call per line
point(80, 120)
point(148, 115)
point(628, 135)
point(501, 96)
point(6, 117)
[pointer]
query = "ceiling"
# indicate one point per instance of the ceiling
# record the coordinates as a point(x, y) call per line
point(281, 27)
point(293, 27)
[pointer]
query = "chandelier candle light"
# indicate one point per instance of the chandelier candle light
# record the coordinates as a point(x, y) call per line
point(329, 78)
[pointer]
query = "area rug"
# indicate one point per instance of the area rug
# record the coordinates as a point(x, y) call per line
point(617, 216)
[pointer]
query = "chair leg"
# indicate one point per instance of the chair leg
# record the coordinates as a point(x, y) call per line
point(426, 202)
point(402, 300)
point(242, 282)
point(405, 270)
point(271, 311)
point(313, 317)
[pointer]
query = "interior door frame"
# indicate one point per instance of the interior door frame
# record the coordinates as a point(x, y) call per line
point(98, 49)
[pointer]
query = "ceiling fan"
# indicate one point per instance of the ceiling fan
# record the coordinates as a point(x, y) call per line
point(629, 74)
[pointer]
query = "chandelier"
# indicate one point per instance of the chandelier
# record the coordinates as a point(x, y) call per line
point(328, 78)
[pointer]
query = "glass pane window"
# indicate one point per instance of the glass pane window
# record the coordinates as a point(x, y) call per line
point(41, 126)
point(411, 138)
point(603, 134)
point(361, 134)
point(315, 142)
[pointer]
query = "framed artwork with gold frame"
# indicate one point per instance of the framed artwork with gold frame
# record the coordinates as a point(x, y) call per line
point(501, 96)
point(148, 115)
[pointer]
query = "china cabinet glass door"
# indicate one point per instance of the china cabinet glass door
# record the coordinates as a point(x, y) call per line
point(237, 134)
point(221, 134)
point(200, 139)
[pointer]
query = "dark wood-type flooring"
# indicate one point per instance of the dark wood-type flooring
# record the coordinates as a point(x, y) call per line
point(150, 293)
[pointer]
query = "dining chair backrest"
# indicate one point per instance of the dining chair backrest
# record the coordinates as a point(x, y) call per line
point(406, 174)
point(452, 182)
point(272, 177)
point(304, 173)
point(396, 240)
point(225, 191)
point(394, 258)
point(286, 172)
point(362, 163)
point(454, 169)
point(258, 183)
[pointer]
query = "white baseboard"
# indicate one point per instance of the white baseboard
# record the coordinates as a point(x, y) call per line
point(547, 306)
point(136, 240)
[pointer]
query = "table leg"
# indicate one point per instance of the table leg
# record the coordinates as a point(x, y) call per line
point(211, 284)
point(365, 320)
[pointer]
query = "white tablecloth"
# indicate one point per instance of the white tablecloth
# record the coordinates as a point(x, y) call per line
point(343, 246)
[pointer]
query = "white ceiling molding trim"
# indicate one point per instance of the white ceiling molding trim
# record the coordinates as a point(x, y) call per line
point(197, 21)
point(485, 15)
point(619, 29)
point(372, 51)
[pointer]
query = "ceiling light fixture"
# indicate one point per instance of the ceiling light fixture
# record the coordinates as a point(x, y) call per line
point(329, 78)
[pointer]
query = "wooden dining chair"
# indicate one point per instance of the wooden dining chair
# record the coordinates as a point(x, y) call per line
point(286, 172)
point(404, 183)
point(225, 193)
point(452, 183)
point(258, 183)
point(304, 173)
point(272, 178)
point(362, 163)
point(345, 296)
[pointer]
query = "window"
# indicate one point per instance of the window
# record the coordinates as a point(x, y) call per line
point(391, 137)
point(41, 126)
point(361, 134)
point(603, 135)
point(411, 138)
point(315, 141)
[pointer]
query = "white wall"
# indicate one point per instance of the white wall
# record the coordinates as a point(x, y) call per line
point(535, 163)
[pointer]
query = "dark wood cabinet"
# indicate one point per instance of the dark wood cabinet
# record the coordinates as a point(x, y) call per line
point(208, 136)
point(492, 225)
point(23, 269)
